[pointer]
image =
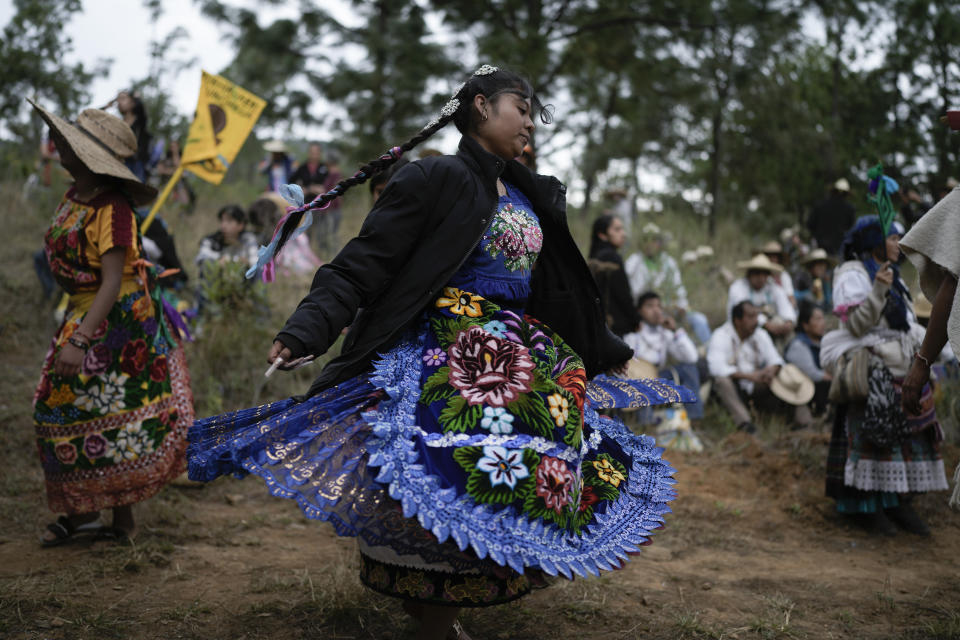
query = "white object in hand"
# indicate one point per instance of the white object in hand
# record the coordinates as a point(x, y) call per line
point(273, 367)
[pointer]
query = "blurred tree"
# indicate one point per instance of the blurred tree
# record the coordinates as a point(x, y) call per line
point(33, 53)
point(925, 56)
point(167, 61)
point(740, 42)
point(607, 62)
point(272, 61)
point(387, 96)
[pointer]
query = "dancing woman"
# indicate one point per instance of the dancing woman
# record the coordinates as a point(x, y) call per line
point(113, 404)
point(457, 435)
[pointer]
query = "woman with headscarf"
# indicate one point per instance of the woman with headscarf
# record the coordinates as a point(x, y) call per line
point(879, 457)
point(606, 238)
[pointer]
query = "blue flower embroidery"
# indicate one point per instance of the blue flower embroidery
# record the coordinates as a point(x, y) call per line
point(497, 420)
point(505, 466)
point(496, 328)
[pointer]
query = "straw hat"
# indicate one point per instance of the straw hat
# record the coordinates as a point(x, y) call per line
point(637, 369)
point(922, 306)
point(773, 247)
point(101, 142)
point(760, 262)
point(275, 146)
point(818, 255)
point(792, 385)
point(842, 185)
point(704, 251)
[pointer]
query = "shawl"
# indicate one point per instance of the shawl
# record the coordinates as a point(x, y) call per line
point(933, 248)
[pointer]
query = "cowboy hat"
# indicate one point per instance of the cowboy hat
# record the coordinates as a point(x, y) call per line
point(922, 306)
point(760, 262)
point(792, 385)
point(101, 142)
point(773, 247)
point(818, 255)
point(275, 146)
point(640, 369)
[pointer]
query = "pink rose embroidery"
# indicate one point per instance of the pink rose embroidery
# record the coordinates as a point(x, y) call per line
point(66, 453)
point(97, 360)
point(489, 370)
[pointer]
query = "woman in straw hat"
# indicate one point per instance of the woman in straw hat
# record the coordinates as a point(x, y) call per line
point(114, 402)
point(456, 435)
point(879, 456)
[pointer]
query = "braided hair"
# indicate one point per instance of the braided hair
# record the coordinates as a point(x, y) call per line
point(488, 81)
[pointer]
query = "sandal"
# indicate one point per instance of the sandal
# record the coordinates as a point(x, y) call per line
point(65, 531)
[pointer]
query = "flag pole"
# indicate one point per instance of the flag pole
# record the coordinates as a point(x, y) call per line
point(174, 179)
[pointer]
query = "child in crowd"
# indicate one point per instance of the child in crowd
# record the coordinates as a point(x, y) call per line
point(232, 243)
point(667, 347)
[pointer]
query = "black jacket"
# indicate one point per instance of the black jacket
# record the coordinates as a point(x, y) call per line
point(423, 227)
point(607, 267)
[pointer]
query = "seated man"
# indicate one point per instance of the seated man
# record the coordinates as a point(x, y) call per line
point(743, 363)
point(776, 313)
point(804, 351)
point(659, 341)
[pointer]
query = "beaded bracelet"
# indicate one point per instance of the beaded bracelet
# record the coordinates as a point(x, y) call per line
point(79, 344)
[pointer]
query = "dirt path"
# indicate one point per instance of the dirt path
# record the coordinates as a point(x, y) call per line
point(752, 551)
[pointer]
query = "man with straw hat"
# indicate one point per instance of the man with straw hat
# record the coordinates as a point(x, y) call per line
point(774, 251)
point(744, 364)
point(777, 314)
point(113, 404)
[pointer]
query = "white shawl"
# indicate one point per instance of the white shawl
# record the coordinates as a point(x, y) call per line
point(933, 246)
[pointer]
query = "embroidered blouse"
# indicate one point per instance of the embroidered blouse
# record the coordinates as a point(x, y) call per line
point(82, 232)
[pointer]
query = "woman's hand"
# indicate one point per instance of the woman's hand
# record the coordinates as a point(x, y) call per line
point(620, 369)
point(278, 350)
point(885, 274)
point(68, 361)
point(912, 389)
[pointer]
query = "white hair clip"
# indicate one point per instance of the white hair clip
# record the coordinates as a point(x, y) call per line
point(486, 70)
point(450, 108)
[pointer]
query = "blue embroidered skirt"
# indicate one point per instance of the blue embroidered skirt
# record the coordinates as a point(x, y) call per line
point(469, 462)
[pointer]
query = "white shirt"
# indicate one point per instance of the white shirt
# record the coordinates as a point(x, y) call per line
point(656, 344)
point(785, 282)
point(727, 354)
point(771, 296)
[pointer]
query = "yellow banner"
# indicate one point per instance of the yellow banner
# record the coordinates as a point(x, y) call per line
point(225, 116)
